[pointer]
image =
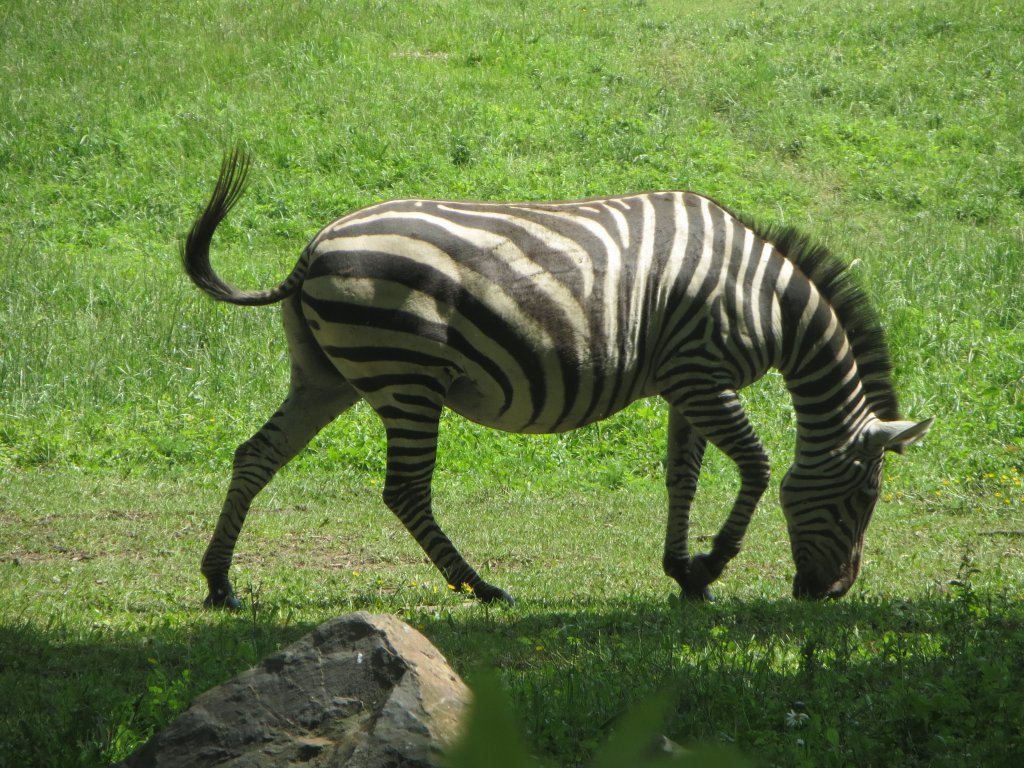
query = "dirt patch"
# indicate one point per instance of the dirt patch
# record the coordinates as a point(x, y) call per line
point(322, 553)
point(57, 554)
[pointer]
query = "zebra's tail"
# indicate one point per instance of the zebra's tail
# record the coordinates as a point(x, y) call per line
point(195, 252)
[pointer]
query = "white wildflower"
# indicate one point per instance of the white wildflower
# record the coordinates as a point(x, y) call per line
point(796, 719)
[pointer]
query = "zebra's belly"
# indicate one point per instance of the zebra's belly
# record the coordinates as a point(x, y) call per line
point(469, 401)
point(501, 378)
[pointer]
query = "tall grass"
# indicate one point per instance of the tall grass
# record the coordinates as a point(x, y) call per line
point(889, 131)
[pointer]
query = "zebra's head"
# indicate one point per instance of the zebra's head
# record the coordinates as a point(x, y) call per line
point(828, 503)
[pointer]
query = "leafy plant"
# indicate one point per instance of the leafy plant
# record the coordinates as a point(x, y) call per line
point(492, 737)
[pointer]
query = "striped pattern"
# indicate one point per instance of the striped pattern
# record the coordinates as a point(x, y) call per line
point(514, 300)
point(543, 317)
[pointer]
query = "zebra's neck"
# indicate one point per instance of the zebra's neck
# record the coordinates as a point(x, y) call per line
point(819, 366)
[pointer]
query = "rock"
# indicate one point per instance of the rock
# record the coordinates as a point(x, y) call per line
point(360, 691)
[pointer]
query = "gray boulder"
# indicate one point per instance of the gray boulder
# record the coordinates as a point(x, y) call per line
point(360, 691)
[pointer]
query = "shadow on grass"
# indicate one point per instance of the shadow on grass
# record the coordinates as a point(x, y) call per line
point(860, 681)
point(89, 696)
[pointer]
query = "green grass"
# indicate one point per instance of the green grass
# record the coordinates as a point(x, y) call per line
point(890, 131)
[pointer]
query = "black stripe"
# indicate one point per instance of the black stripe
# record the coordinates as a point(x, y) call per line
point(424, 278)
point(386, 354)
point(387, 412)
point(387, 380)
point(343, 313)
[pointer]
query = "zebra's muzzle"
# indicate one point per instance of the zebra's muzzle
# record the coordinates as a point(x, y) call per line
point(805, 588)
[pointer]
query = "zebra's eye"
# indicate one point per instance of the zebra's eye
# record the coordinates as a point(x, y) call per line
point(864, 463)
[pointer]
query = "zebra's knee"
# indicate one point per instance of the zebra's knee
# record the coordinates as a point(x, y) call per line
point(401, 497)
point(392, 496)
point(757, 475)
point(245, 452)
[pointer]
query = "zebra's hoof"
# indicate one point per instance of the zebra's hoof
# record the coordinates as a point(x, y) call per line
point(700, 572)
point(699, 595)
point(490, 594)
point(222, 599)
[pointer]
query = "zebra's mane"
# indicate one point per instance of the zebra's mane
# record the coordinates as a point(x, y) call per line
point(833, 279)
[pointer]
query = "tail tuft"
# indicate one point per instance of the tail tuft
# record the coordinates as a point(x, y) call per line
point(195, 252)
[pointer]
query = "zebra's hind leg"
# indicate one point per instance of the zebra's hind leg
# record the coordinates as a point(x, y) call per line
point(411, 419)
point(303, 413)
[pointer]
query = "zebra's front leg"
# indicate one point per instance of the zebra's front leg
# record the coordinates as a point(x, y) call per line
point(411, 424)
point(685, 454)
point(303, 413)
point(717, 415)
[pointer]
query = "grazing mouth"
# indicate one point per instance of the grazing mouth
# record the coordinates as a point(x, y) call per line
point(807, 589)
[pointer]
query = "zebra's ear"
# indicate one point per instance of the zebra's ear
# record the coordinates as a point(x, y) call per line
point(895, 435)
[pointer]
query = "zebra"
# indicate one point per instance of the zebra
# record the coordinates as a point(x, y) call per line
point(544, 317)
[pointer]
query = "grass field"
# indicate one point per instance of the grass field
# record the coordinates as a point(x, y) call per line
point(889, 131)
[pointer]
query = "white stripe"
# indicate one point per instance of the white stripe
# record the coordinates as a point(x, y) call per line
point(678, 253)
point(700, 270)
point(642, 271)
point(755, 292)
point(579, 256)
point(743, 307)
point(506, 251)
point(622, 225)
point(724, 315)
